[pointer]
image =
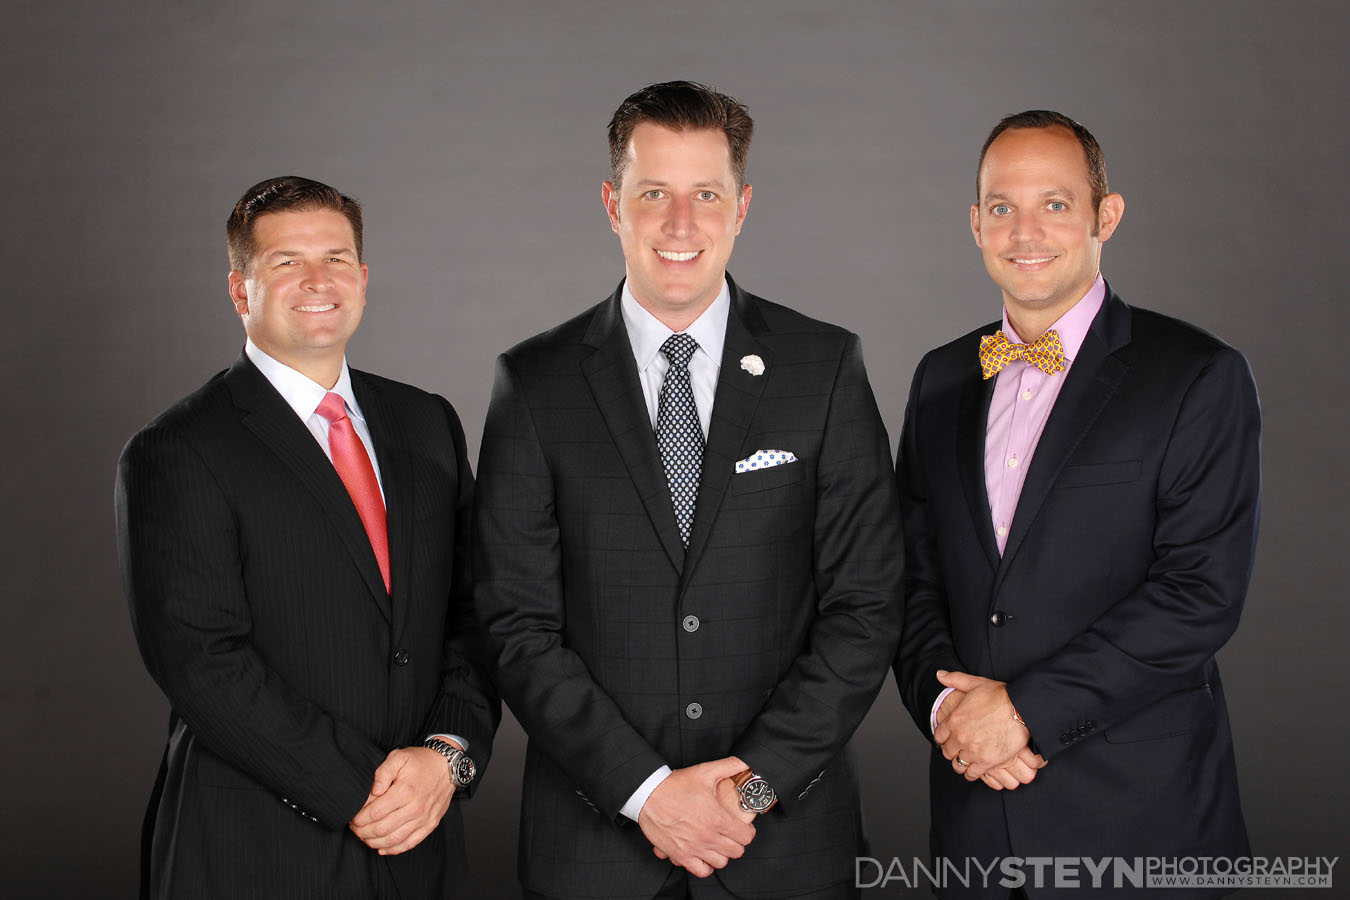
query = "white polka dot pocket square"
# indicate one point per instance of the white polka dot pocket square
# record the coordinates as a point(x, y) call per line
point(765, 459)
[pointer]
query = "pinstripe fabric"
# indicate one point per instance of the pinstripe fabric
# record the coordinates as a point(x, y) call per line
point(260, 611)
point(792, 574)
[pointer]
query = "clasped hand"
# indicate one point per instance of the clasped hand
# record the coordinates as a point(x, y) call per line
point(976, 726)
point(694, 817)
point(411, 792)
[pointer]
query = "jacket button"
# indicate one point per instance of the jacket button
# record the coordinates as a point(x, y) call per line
point(693, 710)
point(1065, 738)
point(1090, 726)
point(997, 618)
point(691, 623)
point(401, 658)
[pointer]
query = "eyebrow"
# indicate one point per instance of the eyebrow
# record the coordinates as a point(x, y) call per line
point(1062, 191)
point(334, 251)
point(654, 182)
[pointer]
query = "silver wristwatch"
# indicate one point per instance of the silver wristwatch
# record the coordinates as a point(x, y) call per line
point(462, 768)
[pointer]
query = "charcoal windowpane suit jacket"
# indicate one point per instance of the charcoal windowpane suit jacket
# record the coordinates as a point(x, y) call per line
point(620, 651)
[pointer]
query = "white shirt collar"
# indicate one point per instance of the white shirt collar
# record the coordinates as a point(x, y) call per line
point(647, 333)
point(301, 392)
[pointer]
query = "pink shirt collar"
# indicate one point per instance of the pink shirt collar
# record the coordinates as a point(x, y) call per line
point(1073, 325)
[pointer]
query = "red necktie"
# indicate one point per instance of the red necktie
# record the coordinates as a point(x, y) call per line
point(354, 468)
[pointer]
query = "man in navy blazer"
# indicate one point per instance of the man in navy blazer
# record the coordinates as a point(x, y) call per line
point(1080, 486)
point(311, 628)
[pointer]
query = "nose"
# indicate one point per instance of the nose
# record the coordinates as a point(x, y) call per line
point(317, 277)
point(680, 222)
point(1026, 226)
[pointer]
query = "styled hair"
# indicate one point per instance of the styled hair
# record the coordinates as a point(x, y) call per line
point(289, 193)
point(681, 106)
point(1045, 118)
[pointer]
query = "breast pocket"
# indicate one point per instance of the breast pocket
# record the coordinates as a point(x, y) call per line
point(766, 479)
point(1099, 473)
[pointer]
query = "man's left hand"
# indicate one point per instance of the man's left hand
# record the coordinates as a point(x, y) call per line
point(981, 731)
point(411, 793)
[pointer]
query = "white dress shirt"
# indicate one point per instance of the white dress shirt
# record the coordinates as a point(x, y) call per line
point(646, 334)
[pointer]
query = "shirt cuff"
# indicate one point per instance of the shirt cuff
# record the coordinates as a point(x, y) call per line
point(932, 714)
point(463, 744)
point(633, 807)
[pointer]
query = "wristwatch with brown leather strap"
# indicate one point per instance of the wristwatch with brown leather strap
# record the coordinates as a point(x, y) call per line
point(756, 795)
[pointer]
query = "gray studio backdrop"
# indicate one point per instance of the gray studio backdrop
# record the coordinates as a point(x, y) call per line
point(474, 134)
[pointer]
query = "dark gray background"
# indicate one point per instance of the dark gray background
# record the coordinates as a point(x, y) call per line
point(475, 137)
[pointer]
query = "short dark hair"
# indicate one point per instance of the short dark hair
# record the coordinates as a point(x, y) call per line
point(1045, 118)
point(289, 193)
point(681, 106)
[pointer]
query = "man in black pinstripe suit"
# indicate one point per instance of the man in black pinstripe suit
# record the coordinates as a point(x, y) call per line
point(310, 629)
point(687, 552)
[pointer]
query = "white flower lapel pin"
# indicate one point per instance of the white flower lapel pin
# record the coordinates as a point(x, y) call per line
point(752, 364)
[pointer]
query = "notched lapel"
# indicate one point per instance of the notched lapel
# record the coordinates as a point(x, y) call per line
point(971, 425)
point(612, 375)
point(396, 477)
point(1092, 380)
point(268, 416)
point(734, 405)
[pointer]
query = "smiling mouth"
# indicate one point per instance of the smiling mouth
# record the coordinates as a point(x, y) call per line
point(317, 308)
point(1029, 260)
point(678, 256)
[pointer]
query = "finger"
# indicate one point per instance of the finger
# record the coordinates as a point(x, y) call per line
point(409, 841)
point(718, 769)
point(1003, 777)
point(697, 867)
point(660, 854)
point(1019, 770)
point(959, 680)
point(992, 782)
point(387, 772)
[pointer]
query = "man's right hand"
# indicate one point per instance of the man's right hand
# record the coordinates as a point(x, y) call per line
point(688, 821)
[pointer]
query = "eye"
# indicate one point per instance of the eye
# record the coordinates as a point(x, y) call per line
point(654, 194)
point(707, 196)
point(1057, 206)
point(1001, 209)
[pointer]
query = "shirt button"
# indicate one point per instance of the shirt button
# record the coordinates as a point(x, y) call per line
point(1026, 395)
point(401, 658)
point(691, 623)
point(693, 710)
point(1012, 463)
point(1002, 531)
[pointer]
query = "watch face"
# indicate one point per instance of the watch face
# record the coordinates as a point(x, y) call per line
point(757, 795)
point(464, 771)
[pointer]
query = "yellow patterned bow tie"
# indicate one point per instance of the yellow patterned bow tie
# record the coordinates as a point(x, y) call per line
point(1045, 353)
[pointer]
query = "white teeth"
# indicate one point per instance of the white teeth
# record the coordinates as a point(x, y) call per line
point(1032, 262)
point(677, 257)
point(324, 308)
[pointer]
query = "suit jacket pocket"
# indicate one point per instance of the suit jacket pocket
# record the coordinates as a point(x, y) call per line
point(765, 479)
point(1179, 713)
point(1099, 473)
point(213, 770)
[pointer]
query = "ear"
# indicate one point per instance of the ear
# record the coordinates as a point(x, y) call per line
point(365, 279)
point(610, 195)
point(742, 207)
point(1109, 214)
point(975, 224)
point(239, 292)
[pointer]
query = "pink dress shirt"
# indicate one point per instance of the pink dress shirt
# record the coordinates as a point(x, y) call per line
point(1023, 398)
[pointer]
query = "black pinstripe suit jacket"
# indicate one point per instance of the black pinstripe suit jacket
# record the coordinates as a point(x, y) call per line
point(261, 612)
point(619, 651)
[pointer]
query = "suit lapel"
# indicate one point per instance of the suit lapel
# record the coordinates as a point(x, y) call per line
point(612, 375)
point(971, 426)
point(396, 477)
point(268, 416)
point(1092, 380)
point(734, 405)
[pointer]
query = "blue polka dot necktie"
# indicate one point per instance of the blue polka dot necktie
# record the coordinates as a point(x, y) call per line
point(678, 434)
